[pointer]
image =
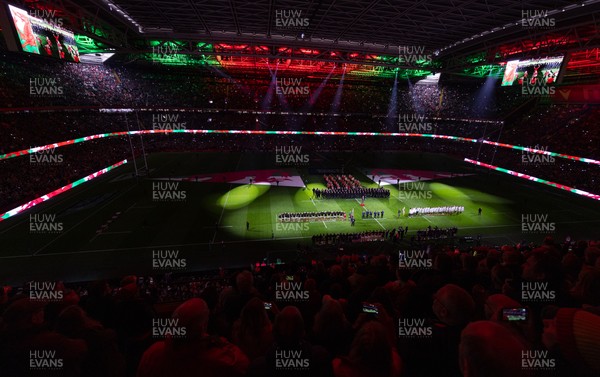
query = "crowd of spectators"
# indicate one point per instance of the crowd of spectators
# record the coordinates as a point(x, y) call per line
point(28, 177)
point(357, 315)
point(569, 129)
point(351, 193)
point(577, 174)
point(129, 85)
point(341, 181)
point(237, 323)
point(434, 233)
point(341, 238)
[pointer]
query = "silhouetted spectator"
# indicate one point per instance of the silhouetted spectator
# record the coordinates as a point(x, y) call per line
point(233, 299)
point(23, 332)
point(291, 354)
point(196, 352)
point(371, 355)
point(132, 318)
point(103, 358)
point(331, 328)
point(253, 331)
point(573, 335)
point(489, 349)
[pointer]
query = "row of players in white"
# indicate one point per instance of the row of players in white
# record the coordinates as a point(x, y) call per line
point(436, 210)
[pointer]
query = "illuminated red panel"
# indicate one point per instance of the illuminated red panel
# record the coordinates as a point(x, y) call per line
point(223, 46)
point(580, 36)
point(529, 45)
point(241, 63)
point(587, 62)
point(309, 51)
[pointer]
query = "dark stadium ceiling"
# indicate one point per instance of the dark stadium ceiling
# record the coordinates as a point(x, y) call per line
point(374, 26)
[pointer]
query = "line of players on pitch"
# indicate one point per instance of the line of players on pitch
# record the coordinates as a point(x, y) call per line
point(351, 193)
point(294, 217)
point(366, 214)
point(372, 214)
point(448, 210)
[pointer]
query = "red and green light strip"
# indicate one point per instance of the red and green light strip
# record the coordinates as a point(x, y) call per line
point(535, 179)
point(88, 178)
point(41, 199)
point(25, 152)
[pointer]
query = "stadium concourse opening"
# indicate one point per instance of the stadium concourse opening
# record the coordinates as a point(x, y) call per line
point(295, 188)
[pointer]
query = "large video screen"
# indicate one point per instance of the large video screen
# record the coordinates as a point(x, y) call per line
point(532, 72)
point(37, 36)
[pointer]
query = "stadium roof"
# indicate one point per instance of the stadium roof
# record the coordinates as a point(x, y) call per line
point(374, 25)
point(469, 36)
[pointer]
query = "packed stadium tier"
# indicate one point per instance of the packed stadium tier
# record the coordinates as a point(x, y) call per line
point(549, 126)
point(117, 85)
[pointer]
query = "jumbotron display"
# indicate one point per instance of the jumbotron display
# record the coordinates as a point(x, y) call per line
point(532, 71)
point(40, 37)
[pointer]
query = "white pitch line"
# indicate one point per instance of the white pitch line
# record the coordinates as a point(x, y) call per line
point(85, 219)
point(145, 248)
point(365, 207)
point(224, 206)
point(380, 224)
point(48, 205)
point(123, 232)
point(105, 233)
point(226, 199)
point(222, 212)
point(324, 224)
point(130, 207)
point(99, 234)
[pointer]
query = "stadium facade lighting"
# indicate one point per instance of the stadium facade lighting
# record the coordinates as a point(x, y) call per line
point(520, 22)
point(534, 179)
point(116, 9)
point(43, 198)
point(25, 152)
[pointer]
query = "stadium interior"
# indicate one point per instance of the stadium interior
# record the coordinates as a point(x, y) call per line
point(329, 188)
